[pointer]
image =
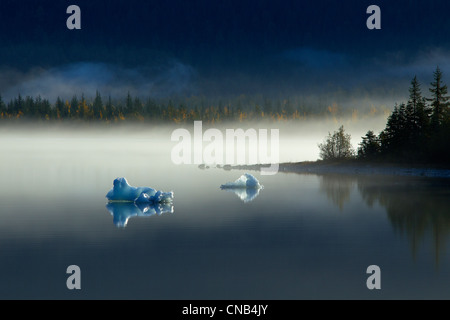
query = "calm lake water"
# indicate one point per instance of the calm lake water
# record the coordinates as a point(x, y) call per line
point(301, 237)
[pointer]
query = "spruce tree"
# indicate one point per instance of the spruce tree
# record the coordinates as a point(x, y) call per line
point(152, 110)
point(59, 105)
point(393, 133)
point(97, 107)
point(369, 148)
point(439, 100)
point(46, 109)
point(74, 106)
point(2, 105)
point(421, 110)
point(137, 106)
point(109, 109)
point(81, 107)
point(129, 104)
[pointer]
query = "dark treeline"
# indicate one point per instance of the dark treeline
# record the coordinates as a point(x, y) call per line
point(416, 132)
point(176, 110)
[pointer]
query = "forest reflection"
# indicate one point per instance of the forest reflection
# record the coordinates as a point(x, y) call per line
point(337, 188)
point(418, 209)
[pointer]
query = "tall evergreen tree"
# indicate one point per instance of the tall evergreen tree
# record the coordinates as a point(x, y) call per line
point(46, 109)
point(59, 108)
point(137, 106)
point(97, 106)
point(415, 95)
point(82, 108)
point(37, 112)
point(439, 99)
point(18, 105)
point(109, 112)
point(74, 106)
point(2, 105)
point(152, 109)
point(369, 148)
point(394, 135)
point(421, 111)
point(129, 104)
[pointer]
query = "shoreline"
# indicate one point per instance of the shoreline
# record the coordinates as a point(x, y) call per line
point(351, 168)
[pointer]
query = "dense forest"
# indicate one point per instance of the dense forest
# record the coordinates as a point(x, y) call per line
point(176, 110)
point(416, 132)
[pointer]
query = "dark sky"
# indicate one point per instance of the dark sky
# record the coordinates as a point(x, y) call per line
point(227, 47)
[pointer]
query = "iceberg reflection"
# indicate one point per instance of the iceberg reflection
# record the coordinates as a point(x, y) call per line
point(245, 194)
point(122, 211)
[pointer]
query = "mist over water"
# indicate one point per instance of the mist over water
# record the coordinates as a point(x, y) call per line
point(54, 214)
point(41, 163)
point(93, 144)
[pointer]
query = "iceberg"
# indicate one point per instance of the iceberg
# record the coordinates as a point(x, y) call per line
point(122, 191)
point(246, 187)
point(246, 181)
point(123, 211)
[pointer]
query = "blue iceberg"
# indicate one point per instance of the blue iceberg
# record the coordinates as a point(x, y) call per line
point(123, 192)
point(246, 187)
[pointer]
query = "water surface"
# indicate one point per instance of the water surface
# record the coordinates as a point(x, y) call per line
point(301, 237)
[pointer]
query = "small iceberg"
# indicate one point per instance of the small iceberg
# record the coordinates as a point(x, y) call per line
point(123, 211)
point(245, 181)
point(123, 192)
point(247, 187)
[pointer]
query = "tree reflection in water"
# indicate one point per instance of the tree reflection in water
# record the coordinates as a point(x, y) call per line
point(337, 188)
point(416, 207)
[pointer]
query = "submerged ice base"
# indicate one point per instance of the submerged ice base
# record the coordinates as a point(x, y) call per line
point(122, 191)
point(246, 195)
point(247, 187)
point(123, 211)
